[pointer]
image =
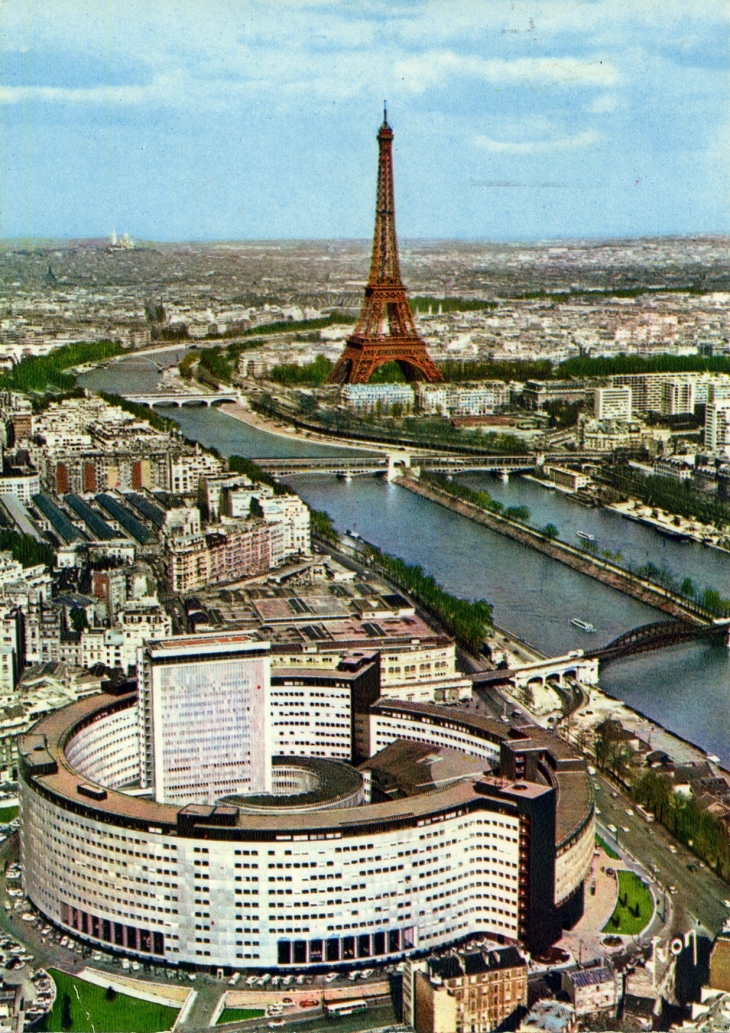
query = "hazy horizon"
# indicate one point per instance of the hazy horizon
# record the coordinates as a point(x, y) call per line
point(141, 242)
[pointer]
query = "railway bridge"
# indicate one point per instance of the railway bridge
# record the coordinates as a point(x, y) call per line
point(583, 665)
point(390, 460)
point(658, 635)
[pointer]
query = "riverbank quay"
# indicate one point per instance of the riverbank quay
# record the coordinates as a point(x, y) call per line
point(256, 420)
point(669, 524)
point(601, 570)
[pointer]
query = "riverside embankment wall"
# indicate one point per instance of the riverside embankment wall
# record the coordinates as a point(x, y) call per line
point(602, 570)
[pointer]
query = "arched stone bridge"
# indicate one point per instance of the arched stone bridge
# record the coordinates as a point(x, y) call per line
point(178, 400)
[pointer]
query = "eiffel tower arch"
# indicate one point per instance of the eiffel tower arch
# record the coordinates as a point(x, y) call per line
point(385, 331)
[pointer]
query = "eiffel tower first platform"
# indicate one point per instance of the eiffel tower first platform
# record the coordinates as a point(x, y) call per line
point(385, 300)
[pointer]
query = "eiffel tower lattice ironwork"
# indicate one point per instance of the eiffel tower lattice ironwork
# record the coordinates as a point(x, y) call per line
point(385, 302)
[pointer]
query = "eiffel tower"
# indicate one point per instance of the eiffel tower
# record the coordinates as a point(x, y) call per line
point(385, 298)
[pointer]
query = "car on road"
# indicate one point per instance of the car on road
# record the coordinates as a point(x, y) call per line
point(614, 794)
point(672, 888)
point(612, 828)
point(726, 903)
point(672, 848)
point(625, 828)
point(629, 812)
point(330, 976)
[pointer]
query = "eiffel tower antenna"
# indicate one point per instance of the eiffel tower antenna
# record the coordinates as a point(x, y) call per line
point(385, 302)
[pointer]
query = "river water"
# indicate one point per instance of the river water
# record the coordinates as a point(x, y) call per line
point(687, 689)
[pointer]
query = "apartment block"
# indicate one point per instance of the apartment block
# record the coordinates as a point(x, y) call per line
point(378, 397)
point(612, 403)
point(230, 552)
point(462, 399)
point(467, 991)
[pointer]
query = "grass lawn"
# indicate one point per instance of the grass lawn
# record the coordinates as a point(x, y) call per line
point(8, 814)
point(634, 907)
point(606, 848)
point(91, 1011)
point(240, 1014)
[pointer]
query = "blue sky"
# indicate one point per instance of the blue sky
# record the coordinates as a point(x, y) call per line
point(513, 119)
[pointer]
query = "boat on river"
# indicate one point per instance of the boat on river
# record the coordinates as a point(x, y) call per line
point(583, 625)
point(585, 536)
point(667, 532)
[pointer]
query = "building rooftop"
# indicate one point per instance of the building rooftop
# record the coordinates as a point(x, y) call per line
point(475, 962)
point(590, 976)
point(548, 1017)
point(407, 768)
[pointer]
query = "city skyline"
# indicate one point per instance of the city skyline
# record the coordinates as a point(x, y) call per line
point(588, 120)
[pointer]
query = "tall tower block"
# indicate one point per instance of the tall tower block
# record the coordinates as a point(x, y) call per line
point(385, 301)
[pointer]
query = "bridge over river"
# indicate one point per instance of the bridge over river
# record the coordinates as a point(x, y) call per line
point(402, 460)
point(658, 635)
point(178, 399)
point(582, 664)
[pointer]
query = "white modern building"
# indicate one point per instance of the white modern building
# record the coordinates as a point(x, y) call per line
point(717, 426)
point(612, 403)
point(378, 397)
point(204, 704)
point(24, 485)
point(678, 396)
point(480, 399)
point(420, 847)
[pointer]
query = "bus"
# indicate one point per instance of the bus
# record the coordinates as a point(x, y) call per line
point(646, 815)
point(345, 1007)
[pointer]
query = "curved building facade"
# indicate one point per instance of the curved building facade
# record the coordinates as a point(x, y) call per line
point(412, 851)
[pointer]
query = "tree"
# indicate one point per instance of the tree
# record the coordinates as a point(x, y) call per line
point(78, 619)
point(111, 993)
point(322, 525)
point(549, 531)
point(307, 404)
point(688, 588)
point(518, 513)
point(66, 1017)
point(186, 365)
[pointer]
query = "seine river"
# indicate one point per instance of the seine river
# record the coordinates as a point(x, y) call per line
point(687, 689)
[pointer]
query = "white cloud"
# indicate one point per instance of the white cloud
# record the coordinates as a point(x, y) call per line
point(162, 89)
point(421, 71)
point(604, 104)
point(587, 138)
